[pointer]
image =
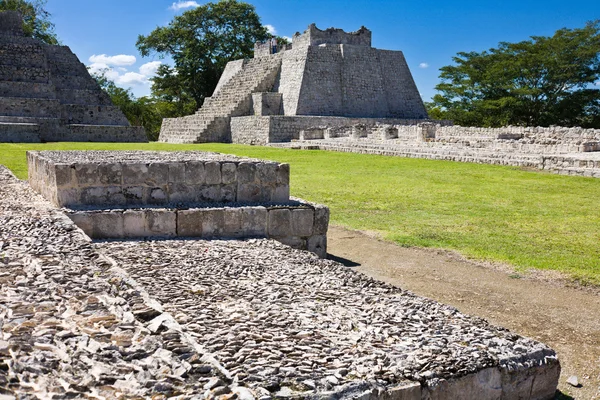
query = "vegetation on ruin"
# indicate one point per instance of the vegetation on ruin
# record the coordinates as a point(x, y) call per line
point(538, 82)
point(529, 219)
point(201, 41)
point(36, 20)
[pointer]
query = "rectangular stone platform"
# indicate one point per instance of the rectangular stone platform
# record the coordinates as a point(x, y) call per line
point(133, 179)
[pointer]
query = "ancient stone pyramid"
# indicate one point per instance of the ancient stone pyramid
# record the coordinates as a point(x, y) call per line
point(47, 94)
point(324, 77)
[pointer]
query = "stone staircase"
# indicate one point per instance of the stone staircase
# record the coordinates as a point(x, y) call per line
point(211, 122)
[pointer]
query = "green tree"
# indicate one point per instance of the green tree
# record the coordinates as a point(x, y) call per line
point(201, 42)
point(538, 82)
point(36, 20)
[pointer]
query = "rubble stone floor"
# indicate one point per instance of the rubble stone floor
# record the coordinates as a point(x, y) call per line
point(225, 319)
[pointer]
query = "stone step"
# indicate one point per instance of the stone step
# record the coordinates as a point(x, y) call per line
point(27, 89)
point(93, 115)
point(26, 107)
point(83, 97)
point(18, 74)
point(19, 133)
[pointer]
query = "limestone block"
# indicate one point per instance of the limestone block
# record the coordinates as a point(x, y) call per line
point(403, 391)
point(279, 222)
point(228, 193)
point(176, 172)
point(212, 222)
point(64, 175)
point(194, 173)
point(267, 173)
point(179, 192)
point(228, 173)
point(318, 245)
point(283, 174)
point(254, 221)
point(134, 195)
point(107, 225)
point(68, 197)
point(302, 222)
point(158, 174)
point(134, 173)
point(249, 193)
point(94, 195)
point(115, 196)
point(294, 242)
point(160, 222)
point(246, 173)
point(213, 173)
point(83, 221)
point(86, 174)
point(110, 174)
point(281, 194)
point(485, 385)
point(189, 223)
point(209, 193)
point(232, 222)
point(155, 195)
point(321, 219)
point(134, 223)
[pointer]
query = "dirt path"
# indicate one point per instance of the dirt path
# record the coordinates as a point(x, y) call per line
point(566, 318)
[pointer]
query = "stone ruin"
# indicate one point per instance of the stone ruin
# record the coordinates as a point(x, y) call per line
point(143, 194)
point(567, 151)
point(323, 78)
point(47, 95)
point(217, 319)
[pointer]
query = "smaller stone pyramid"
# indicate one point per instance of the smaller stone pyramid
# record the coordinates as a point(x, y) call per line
point(47, 94)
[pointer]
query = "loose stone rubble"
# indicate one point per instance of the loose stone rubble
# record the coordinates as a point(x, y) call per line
point(228, 319)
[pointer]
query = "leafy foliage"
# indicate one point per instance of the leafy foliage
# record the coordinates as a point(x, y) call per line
point(538, 82)
point(201, 42)
point(36, 20)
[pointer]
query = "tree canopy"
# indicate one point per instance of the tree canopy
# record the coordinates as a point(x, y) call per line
point(538, 82)
point(36, 20)
point(201, 42)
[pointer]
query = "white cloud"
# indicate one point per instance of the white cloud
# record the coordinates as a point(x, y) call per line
point(423, 65)
point(149, 69)
point(289, 39)
point(131, 78)
point(118, 60)
point(181, 5)
point(271, 29)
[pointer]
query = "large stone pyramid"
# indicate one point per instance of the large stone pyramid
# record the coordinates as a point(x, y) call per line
point(323, 78)
point(47, 94)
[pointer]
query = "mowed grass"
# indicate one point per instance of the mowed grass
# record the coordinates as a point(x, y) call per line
point(528, 219)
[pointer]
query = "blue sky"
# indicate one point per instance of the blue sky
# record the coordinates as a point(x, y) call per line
point(103, 33)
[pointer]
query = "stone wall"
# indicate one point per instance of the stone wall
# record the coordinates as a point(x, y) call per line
point(11, 23)
point(266, 103)
point(314, 36)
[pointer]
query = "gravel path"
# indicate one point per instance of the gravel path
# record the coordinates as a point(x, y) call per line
point(218, 319)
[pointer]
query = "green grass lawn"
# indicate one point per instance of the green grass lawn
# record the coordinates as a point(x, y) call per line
point(528, 219)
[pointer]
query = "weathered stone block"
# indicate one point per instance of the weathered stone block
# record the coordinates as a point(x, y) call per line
point(134, 195)
point(155, 195)
point(64, 175)
point(294, 242)
point(158, 174)
point(84, 221)
point(232, 222)
point(281, 194)
point(209, 194)
point(213, 173)
point(115, 196)
point(267, 173)
point(134, 173)
point(134, 223)
point(189, 223)
point(107, 225)
point(321, 220)
point(302, 222)
point(229, 193)
point(94, 195)
point(212, 222)
point(110, 174)
point(318, 245)
point(246, 173)
point(161, 222)
point(86, 174)
point(176, 172)
point(194, 173)
point(181, 193)
point(249, 193)
point(283, 174)
point(279, 222)
point(67, 197)
point(254, 221)
point(228, 173)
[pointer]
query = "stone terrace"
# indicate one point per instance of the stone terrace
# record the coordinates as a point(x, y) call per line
point(202, 319)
